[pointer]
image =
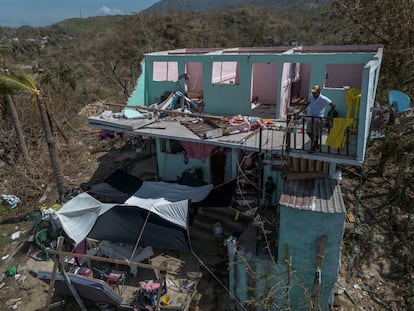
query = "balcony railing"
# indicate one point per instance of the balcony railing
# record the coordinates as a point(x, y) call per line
point(298, 140)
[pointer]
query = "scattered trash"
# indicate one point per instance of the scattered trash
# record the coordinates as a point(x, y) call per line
point(356, 286)
point(184, 287)
point(165, 300)
point(15, 235)
point(2, 284)
point(11, 200)
point(11, 271)
point(5, 257)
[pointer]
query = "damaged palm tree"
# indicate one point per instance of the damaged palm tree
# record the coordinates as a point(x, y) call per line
point(22, 82)
point(7, 99)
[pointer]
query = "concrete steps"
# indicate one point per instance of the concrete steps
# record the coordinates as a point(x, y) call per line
point(202, 228)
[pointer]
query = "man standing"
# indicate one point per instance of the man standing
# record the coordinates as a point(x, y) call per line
point(316, 111)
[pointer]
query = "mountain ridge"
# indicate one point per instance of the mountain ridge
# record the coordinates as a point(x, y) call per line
point(202, 5)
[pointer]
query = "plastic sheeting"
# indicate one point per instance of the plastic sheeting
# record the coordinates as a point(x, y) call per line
point(164, 224)
point(170, 192)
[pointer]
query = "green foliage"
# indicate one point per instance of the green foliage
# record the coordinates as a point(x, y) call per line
point(388, 22)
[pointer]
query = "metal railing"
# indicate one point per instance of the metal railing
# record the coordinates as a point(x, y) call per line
point(298, 139)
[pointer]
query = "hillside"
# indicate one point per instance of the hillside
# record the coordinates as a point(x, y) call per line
point(84, 65)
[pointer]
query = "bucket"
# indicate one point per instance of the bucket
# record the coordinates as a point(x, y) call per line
point(217, 230)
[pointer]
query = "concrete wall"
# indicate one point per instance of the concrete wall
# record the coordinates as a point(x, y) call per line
point(300, 232)
point(232, 99)
point(171, 165)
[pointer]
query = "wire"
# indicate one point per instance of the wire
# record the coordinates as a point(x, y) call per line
point(219, 281)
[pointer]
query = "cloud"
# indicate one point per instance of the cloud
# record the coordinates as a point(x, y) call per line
point(104, 10)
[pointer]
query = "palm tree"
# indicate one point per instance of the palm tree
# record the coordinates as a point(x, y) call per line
point(8, 99)
point(23, 82)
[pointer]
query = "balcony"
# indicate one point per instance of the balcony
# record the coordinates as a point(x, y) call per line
point(297, 140)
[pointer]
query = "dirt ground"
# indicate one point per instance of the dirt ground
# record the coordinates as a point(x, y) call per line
point(27, 293)
point(367, 279)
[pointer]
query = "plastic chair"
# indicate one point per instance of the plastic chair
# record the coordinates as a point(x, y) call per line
point(353, 99)
point(399, 100)
point(338, 135)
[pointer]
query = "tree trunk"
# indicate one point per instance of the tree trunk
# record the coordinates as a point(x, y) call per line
point(19, 130)
point(54, 159)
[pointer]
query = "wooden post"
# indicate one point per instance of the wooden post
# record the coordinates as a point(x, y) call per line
point(162, 280)
point(72, 288)
point(114, 261)
point(53, 279)
point(317, 278)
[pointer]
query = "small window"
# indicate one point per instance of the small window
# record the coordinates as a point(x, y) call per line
point(343, 75)
point(165, 71)
point(225, 73)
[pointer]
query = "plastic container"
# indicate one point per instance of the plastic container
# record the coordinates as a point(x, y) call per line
point(217, 230)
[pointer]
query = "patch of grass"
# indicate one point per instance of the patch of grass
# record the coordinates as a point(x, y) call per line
point(6, 230)
point(5, 211)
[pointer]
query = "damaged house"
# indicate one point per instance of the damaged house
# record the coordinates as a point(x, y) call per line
point(237, 115)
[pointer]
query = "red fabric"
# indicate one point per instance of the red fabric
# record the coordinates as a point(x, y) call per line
point(197, 150)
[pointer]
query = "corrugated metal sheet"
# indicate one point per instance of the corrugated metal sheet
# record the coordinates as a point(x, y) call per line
point(319, 195)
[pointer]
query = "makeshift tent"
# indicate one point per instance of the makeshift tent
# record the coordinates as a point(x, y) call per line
point(120, 186)
point(155, 222)
point(169, 191)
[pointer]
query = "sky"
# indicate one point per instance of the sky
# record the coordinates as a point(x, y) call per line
point(15, 13)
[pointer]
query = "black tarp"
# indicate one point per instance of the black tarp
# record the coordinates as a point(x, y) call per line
point(124, 224)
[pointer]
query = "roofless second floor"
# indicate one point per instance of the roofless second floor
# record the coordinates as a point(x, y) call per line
point(272, 83)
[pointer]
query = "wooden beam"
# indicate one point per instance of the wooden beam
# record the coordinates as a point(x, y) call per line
point(72, 289)
point(53, 279)
point(179, 113)
point(302, 176)
point(110, 260)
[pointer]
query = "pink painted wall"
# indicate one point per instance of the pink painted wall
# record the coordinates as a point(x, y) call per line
point(265, 82)
point(343, 75)
point(305, 70)
point(195, 81)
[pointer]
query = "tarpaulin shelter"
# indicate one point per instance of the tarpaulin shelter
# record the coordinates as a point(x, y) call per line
point(164, 223)
point(155, 222)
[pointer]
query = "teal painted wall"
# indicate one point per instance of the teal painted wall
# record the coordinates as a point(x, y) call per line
point(235, 99)
point(299, 237)
point(228, 99)
point(261, 285)
point(171, 166)
point(137, 97)
point(254, 278)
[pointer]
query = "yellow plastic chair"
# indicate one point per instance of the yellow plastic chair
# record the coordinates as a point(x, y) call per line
point(353, 100)
point(337, 136)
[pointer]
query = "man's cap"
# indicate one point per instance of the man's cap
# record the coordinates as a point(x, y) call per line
point(315, 89)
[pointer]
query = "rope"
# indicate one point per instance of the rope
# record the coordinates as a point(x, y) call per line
point(219, 281)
